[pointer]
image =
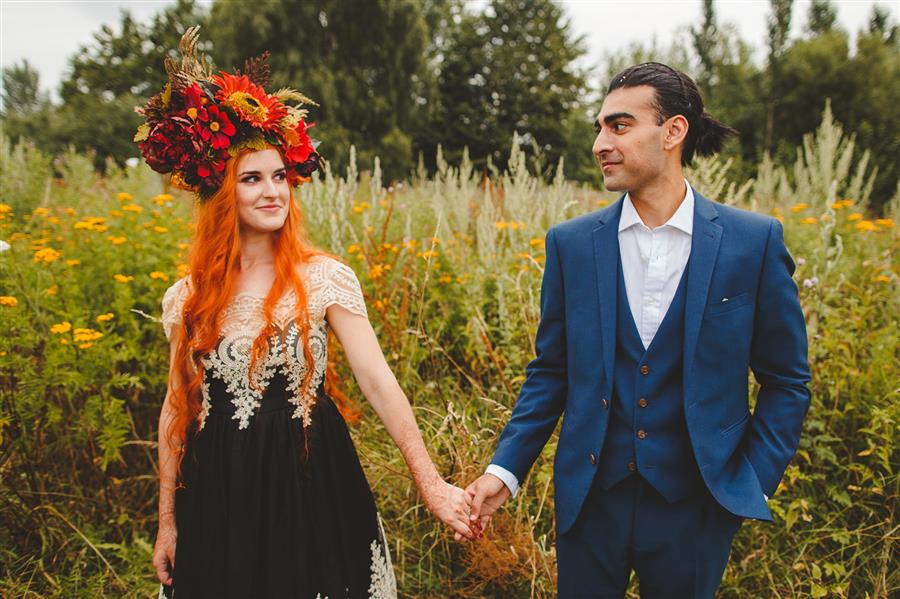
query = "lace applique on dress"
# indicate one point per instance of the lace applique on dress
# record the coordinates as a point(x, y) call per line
point(328, 282)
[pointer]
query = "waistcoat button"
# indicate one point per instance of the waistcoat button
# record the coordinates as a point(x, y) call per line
point(645, 369)
point(642, 402)
point(605, 404)
point(641, 434)
point(632, 466)
point(593, 459)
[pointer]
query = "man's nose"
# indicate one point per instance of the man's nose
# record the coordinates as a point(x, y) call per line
point(601, 143)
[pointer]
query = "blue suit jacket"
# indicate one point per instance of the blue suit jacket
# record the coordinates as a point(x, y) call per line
point(735, 254)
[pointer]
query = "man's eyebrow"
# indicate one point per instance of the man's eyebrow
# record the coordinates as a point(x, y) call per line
point(615, 116)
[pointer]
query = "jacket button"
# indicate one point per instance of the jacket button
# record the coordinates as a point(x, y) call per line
point(645, 369)
point(632, 466)
point(605, 404)
point(593, 459)
point(642, 402)
point(641, 434)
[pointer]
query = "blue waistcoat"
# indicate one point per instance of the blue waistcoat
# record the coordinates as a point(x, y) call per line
point(647, 431)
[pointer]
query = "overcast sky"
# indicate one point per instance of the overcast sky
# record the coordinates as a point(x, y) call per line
point(48, 32)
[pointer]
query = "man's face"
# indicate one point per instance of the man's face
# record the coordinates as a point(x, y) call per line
point(630, 144)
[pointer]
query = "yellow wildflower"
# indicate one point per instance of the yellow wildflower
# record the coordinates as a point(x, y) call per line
point(882, 279)
point(410, 244)
point(376, 271)
point(436, 240)
point(499, 225)
point(124, 197)
point(162, 198)
point(369, 229)
point(53, 219)
point(379, 304)
point(445, 279)
point(132, 208)
point(779, 218)
point(536, 242)
point(839, 205)
point(602, 203)
point(352, 248)
point(809, 220)
point(123, 278)
point(62, 327)
point(105, 317)
point(887, 223)
point(84, 335)
point(46, 255)
point(182, 246)
point(84, 345)
point(427, 254)
point(866, 225)
point(183, 270)
point(4, 208)
point(40, 211)
point(159, 275)
point(52, 290)
point(855, 216)
point(159, 229)
point(116, 240)
point(116, 213)
point(799, 207)
point(8, 300)
point(70, 211)
point(73, 262)
point(360, 207)
point(64, 342)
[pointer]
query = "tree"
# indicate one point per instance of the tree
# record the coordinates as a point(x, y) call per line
point(511, 69)
point(821, 17)
point(706, 42)
point(779, 26)
point(363, 62)
point(20, 89)
point(880, 24)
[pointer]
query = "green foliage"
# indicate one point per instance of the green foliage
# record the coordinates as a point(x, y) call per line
point(451, 267)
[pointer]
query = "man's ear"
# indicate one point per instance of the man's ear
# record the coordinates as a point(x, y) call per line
point(676, 131)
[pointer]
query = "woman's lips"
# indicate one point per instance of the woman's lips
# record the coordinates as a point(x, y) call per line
point(270, 208)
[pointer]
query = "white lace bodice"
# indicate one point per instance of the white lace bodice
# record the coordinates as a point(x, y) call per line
point(328, 282)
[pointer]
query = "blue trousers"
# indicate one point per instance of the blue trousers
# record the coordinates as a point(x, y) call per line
point(677, 550)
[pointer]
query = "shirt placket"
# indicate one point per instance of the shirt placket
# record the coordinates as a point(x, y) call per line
point(654, 283)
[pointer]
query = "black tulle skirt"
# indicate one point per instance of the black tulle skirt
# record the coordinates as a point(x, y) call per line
point(277, 510)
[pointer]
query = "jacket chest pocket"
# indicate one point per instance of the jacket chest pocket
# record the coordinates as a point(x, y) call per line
point(725, 304)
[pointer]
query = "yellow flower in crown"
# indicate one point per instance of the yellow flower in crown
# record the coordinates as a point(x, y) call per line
point(200, 121)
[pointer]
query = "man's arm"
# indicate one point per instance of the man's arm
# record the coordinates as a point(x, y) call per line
point(541, 400)
point(778, 359)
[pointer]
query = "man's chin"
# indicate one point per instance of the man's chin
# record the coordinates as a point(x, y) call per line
point(613, 184)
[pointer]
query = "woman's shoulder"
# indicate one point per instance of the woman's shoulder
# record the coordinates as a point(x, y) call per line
point(323, 269)
point(178, 289)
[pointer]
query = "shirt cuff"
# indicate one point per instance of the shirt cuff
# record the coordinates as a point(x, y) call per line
point(509, 479)
point(766, 496)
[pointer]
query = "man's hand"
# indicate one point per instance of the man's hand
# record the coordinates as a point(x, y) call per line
point(487, 493)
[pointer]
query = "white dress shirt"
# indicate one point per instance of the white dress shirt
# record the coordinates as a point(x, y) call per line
point(653, 261)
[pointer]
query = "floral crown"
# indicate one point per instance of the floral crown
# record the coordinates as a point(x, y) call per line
point(200, 120)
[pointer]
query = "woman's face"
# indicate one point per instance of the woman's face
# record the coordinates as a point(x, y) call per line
point(263, 193)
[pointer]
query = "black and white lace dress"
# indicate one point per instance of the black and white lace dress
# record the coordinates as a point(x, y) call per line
point(275, 503)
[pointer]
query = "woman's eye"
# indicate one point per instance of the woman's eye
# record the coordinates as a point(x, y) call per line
point(280, 176)
point(250, 179)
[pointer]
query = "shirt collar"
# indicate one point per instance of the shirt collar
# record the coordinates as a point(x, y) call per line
point(683, 219)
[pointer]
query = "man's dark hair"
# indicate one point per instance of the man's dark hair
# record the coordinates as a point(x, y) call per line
point(676, 93)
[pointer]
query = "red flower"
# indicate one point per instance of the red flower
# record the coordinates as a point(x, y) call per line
point(171, 144)
point(215, 127)
point(194, 100)
point(299, 144)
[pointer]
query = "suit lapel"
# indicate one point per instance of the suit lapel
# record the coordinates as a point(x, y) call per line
point(606, 262)
point(705, 241)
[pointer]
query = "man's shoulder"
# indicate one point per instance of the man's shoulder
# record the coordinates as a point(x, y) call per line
point(584, 223)
point(747, 221)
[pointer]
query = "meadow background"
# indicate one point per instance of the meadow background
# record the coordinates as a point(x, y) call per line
point(450, 254)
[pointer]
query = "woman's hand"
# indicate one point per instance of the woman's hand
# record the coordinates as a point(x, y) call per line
point(450, 504)
point(164, 551)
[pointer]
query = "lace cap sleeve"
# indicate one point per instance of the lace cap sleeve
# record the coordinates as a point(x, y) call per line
point(172, 305)
point(338, 284)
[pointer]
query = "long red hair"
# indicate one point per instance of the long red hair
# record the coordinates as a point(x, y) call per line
point(214, 262)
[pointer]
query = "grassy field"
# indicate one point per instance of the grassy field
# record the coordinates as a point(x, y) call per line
point(451, 267)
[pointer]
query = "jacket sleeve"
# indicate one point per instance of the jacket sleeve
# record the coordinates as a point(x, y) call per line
point(543, 395)
point(778, 359)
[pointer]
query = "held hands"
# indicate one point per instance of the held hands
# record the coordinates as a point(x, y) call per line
point(450, 504)
point(487, 493)
point(164, 551)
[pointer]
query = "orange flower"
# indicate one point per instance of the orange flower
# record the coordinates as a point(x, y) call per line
point(161, 276)
point(249, 101)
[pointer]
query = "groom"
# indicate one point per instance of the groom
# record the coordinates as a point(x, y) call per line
point(652, 310)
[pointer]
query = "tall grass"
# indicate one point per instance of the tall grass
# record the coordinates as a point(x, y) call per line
point(451, 267)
